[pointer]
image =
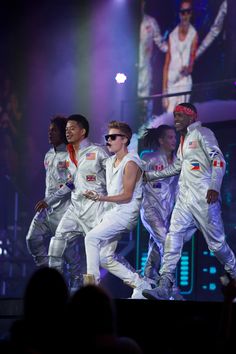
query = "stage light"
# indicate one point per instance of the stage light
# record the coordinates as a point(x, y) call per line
point(120, 78)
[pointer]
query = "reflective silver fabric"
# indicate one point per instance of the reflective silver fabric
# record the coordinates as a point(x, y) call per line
point(157, 205)
point(83, 214)
point(201, 165)
point(44, 223)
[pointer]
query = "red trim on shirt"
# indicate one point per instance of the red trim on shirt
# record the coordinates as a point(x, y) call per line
point(72, 154)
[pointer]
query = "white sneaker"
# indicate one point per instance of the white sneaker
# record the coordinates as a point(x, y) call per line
point(145, 284)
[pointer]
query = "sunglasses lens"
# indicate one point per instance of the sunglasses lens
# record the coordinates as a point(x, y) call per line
point(111, 136)
point(187, 11)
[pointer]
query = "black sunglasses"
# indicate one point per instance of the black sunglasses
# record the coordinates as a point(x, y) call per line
point(185, 11)
point(113, 136)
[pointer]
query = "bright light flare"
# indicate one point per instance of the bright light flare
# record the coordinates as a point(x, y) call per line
point(120, 78)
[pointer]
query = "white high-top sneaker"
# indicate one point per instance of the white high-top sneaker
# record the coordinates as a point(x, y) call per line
point(145, 283)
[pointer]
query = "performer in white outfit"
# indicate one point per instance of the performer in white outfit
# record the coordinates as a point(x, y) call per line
point(124, 188)
point(180, 59)
point(45, 222)
point(201, 166)
point(150, 35)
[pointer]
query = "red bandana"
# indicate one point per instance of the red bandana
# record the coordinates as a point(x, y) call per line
point(185, 110)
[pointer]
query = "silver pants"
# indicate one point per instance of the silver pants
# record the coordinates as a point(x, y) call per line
point(186, 218)
point(67, 246)
point(43, 226)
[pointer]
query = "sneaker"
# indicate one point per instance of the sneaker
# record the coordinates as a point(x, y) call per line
point(228, 287)
point(225, 279)
point(162, 292)
point(176, 295)
point(146, 284)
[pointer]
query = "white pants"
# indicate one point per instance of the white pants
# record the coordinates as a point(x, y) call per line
point(100, 246)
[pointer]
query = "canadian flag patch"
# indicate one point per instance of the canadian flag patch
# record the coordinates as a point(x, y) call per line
point(158, 167)
point(217, 163)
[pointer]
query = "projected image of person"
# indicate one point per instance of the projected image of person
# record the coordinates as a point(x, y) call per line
point(201, 166)
point(215, 29)
point(180, 58)
point(150, 35)
point(224, 21)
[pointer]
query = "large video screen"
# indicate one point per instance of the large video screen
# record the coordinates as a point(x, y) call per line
point(187, 53)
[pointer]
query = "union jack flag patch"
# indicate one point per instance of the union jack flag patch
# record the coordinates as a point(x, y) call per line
point(91, 178)
point(213, 153)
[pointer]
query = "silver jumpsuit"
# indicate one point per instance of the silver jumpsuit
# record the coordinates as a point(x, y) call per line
point(201, 166)
point(157, 205)
point(45, 222)
point(83, 214)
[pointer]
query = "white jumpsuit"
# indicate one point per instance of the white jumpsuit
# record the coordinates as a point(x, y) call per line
point(180, 56)
point(117, 219)
point(157, 205)
point(201, 166)
point(44, 223)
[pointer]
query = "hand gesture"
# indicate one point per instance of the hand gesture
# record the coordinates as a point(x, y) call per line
point(93, 195)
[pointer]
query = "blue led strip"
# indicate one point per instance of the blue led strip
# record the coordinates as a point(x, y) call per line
point(187, 269)
point(138, 259)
